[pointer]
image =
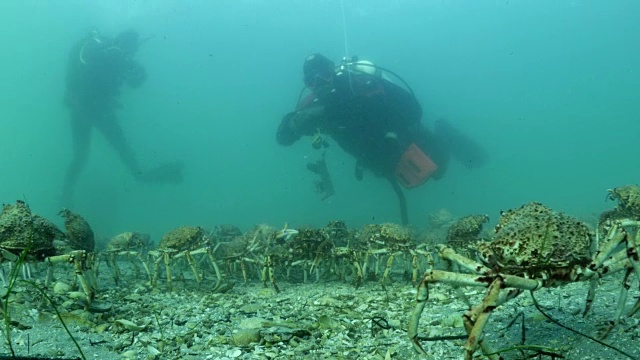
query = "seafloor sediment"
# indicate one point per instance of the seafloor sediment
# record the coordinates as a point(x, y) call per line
point(327, 319)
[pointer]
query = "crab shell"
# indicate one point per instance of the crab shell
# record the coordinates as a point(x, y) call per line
point(309, 243)
point(387, 234)
point(128, 241)
point(338, 232)
point(79, 233)
point(21, 230)
point(465, 232)
point(467, 228)
point(628, 198)
point(185, 238)
point(533, 240)
point(226, 232)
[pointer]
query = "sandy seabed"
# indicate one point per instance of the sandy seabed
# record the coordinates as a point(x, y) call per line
point(327, 319)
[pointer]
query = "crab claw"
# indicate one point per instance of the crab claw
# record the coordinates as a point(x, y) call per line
point(611, 195)
point(286, 234)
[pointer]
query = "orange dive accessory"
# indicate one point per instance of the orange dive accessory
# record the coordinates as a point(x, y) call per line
point(414, 167)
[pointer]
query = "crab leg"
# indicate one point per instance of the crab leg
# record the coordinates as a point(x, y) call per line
point(476, 318)
point(78, 267)
point(448, 253)
point(632, 252)
point(78, 259)
point(156, 266)
point(622, 299)
point(633, 238)
point(604, 264)
point(272, 279)
point(90, 268)
point(387, 269)
point(167, 268)
point(194, 267)
point(482, 280)
point(360, 271)
point(268, 269)
point(365, 263)
point(214, 264)
point(635, 308)
point(265, 267)
point(421, 300)
point(144, 264)
point(414, 266)
point(591, 294)
point(614, 239)
point(315, 265)
point(116, 269)
point(244, 270)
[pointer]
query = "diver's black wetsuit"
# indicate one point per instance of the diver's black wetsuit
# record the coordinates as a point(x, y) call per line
point(97, 68)
point(371, 118)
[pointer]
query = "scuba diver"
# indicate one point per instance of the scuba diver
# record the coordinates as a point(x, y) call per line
point(377, 122)
point(97, 68)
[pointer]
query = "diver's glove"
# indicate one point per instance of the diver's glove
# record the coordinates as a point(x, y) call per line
point(135, 74)
point(298, 123)
point(306, 120)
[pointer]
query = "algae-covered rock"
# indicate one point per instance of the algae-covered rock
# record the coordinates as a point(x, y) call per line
point(245, 337)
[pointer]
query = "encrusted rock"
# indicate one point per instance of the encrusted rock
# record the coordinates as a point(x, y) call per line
point(61, 288)
point(245, 337)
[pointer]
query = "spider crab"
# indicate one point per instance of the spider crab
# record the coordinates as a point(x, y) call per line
point(533, 247)
point(392, 240)
point(31, 236)
point(129, 245)
point(184, 242)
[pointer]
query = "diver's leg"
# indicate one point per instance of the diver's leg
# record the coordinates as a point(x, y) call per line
point(462, 147)
point(81, 138)
point(112, 131)
point(168, 173)
point(402, 200)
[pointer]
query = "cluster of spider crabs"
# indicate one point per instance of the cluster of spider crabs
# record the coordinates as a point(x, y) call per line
point(26, 238)
point(265, 251)
point(532, 247)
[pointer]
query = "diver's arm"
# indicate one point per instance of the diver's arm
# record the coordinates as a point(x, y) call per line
point(135, 74)
point(296, 124)
point(286, 135)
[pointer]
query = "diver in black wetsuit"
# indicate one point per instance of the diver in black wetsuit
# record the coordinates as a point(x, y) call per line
point(377, 122)
point(97, 68)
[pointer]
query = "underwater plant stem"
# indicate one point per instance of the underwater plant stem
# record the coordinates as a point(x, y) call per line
point(541, 349)
point(55, 308)
point(155, 314)
point(535, 303)
point(13, 277)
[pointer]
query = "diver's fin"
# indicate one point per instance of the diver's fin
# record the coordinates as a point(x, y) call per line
point(463, 148)
point(167, 173)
